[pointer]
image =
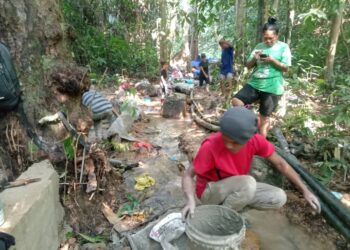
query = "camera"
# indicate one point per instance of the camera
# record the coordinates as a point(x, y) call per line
point(263, 55)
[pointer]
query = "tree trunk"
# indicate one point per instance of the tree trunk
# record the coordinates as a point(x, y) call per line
point(334, 35)
point(186, 32)
point(194, 33)
point(275, 6)
point(262, 18)
point(290, 21)
point(33, 32)
point(163, 33)
point(240, 20)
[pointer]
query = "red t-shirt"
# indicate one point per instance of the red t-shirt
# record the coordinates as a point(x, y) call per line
point(214, 161)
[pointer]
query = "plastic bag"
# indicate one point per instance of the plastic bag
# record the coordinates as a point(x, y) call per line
point(168, 229)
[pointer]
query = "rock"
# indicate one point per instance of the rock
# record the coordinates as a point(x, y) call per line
point(262, 171)
point(94, 246)
point(173, 106)
point(190, 142)
point(118, 241)
point(145, 88)
point(33, 213)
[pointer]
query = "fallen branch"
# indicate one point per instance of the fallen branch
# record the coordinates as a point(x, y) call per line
point(69, 183)
point(203, 123)
point(123, 164)
point(202, 116)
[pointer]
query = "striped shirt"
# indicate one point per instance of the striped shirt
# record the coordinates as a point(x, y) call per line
point(96, 102)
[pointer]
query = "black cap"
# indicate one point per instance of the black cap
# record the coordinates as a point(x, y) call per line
point(239, 124)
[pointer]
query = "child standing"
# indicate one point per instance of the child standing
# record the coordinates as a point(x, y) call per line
point(164, 78)
point(226, 68)
point(204, 70)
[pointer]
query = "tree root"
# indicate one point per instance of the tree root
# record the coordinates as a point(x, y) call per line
point(200, 119)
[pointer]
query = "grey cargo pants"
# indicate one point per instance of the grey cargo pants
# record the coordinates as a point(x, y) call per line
point(237, 192)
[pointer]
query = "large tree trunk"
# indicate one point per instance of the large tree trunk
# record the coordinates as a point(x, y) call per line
point(163, 34)
point(194, 33)
point(186, 32)
point(275, 6)
point(262, 18)
point(33, 31)
point(334, 35)
point(240, 20)
point(290, 21)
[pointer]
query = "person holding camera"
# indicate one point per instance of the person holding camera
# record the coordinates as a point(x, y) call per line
point(269, 60)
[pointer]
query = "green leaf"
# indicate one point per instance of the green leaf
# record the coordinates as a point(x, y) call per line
point(68, 148)
point(91, 239)
point(70, 234)
point(32, 147)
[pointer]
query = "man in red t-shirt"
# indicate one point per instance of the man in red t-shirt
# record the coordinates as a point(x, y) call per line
point(222, 164)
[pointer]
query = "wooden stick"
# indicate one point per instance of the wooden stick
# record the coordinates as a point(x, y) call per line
point(82, 166)
point(69, 183)
point(8, 138)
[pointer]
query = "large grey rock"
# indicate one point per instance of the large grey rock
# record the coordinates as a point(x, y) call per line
point(173, 106)
point(263, 171)
point(33, 213)
point(145, 88)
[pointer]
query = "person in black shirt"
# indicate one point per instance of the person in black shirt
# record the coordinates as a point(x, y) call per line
point(204, 70)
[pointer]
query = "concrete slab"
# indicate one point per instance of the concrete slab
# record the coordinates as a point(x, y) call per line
point(33, 213)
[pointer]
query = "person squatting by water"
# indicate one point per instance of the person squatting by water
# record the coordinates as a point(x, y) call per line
point(226, 68)
point(269, 60)
point(223, 162)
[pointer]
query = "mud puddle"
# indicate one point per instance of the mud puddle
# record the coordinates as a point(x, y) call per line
point(275, 232)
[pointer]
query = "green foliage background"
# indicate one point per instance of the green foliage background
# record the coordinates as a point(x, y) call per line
point(102, 43)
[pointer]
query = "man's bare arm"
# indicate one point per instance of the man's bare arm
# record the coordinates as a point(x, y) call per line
point(188, 186)
point(282, 166)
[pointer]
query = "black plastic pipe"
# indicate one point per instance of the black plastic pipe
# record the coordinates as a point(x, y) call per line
point(334, 221)
point(332, 209)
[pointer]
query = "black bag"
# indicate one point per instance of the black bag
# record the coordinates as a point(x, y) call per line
point(6, 241)
point(9, 84)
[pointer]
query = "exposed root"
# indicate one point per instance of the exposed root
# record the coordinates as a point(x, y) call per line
point(70, 80)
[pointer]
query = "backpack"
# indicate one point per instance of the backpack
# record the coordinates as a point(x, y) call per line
point(9, 84)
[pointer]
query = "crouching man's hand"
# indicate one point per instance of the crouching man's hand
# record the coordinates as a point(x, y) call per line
point(312, 200)
point(188, 210)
